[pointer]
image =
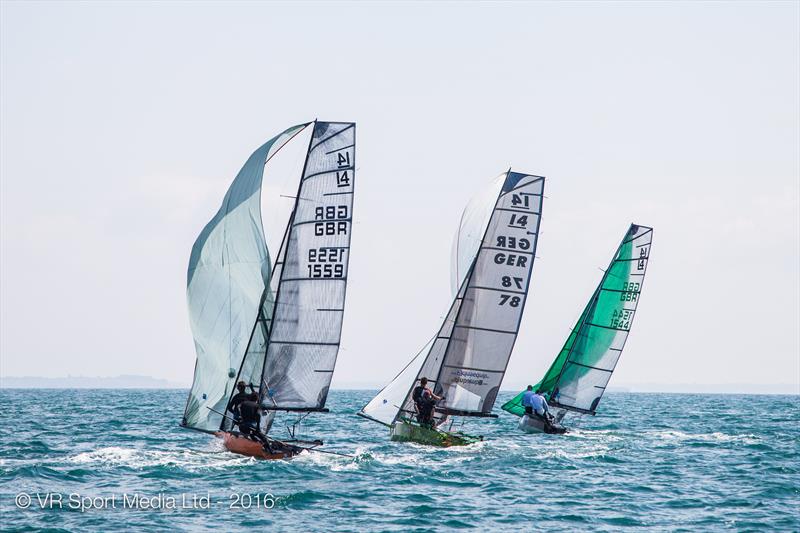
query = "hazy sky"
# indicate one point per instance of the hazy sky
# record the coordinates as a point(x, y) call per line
point(124, 123)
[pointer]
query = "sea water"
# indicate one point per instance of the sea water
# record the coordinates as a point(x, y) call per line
point(97, 460)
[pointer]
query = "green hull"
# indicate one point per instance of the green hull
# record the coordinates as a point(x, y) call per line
point(407, 431)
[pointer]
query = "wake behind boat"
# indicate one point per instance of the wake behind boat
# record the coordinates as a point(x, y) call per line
point(465, 361)
point(580, 373)
point(272, 325)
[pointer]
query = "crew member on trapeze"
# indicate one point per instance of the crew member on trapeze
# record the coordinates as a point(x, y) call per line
point(425, 400)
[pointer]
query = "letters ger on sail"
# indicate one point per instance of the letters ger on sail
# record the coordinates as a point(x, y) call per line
point(492, 300)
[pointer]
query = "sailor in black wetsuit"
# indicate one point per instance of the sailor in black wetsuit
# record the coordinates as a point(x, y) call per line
point(250, 422)
point(236, 400)
point(425, 400)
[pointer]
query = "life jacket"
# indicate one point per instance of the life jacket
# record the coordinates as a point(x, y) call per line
point(249, 411)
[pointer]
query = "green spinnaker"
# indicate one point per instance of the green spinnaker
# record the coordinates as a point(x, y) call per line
point(580, 371)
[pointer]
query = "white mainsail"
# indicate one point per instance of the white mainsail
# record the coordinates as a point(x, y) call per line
point(493, 256)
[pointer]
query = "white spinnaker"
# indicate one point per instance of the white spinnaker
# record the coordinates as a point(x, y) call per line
point(228, 269)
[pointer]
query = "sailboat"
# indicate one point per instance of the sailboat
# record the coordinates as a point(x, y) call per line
point(272, 321)
point(578, 377)
point(493, 253)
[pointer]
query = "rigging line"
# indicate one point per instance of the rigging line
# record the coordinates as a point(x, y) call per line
point(287, 141)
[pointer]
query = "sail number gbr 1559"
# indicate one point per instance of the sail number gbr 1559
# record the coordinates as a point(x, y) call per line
point(328, 261)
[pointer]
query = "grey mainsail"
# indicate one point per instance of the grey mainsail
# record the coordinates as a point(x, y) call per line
point(494, 251)
point(306, 325)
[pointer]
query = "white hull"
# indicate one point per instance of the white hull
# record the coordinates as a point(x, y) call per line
point(534, 424)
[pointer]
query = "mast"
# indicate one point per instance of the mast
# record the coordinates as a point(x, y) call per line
point(261, 316)
point(455, 305)
point(495, 295)
point(592, 303)
point(465, 284)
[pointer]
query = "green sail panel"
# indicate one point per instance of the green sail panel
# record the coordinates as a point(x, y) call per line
point(580, 373)
point(229, 269)
point(547, 383)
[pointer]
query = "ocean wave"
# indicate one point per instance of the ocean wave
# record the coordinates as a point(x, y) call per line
point(135, 458)
point(672, 435)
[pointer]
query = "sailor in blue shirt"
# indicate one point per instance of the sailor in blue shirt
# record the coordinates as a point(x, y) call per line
point(534, 402)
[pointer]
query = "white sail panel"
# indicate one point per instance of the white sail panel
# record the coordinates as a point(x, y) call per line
point(432, 363)
point(309, 307)
point(389, 401)
point(228, 269)
point(471, 228)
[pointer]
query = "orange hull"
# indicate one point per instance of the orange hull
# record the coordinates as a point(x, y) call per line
point(251, 448)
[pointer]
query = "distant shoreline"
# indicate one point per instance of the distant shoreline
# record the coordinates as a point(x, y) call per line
point(376, 389)
point(133, 382)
